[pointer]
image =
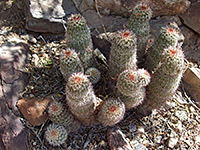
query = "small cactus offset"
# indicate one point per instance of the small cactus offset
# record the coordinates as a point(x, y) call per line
point(78, 37)
point(169, 36)
point(81, 98)
point(93, 74)
point(56, 134)
point(111, 112)
point(139, 24)
point(123, 53)
point(59, 114)
point(69, 63)
point(166, 79)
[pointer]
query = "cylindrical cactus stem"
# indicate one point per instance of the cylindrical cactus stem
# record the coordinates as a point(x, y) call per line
point(166, 79)
point(81, 98)
point(123, 53)
point(78, 37)
point(93, 74)
point(139, 24)
point(135, 100)
point(58, 113)
point(129, 81)
point(169, 36)
point(78, 33)
point(69, 62)
point(56, 134)
point(111, 112)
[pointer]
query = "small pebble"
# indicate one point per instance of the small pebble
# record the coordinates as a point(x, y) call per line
point(140, 129)
point(172, 141)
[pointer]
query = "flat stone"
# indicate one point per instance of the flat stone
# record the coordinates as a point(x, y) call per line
point(137, 146)
point(34, 110)
point(191, 80)
point(159, 7)
point(117, 140)
point(48, 15)
point(191, 16)
point(191, 49)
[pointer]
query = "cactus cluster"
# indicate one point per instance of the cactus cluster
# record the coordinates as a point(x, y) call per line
point(130, 85)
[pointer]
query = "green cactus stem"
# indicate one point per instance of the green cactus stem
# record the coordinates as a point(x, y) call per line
point(78, 37)
point(130, 81)
point(123, 53)
point(139, 24)
point(166, 79)
point(81, 98)
point(169, 36)
point(69, 63)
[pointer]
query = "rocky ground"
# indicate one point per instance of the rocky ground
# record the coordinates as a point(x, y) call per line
point(29, 67)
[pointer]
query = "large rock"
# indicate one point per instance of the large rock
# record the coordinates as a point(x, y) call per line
point(47, 16)
point(159, 7)
point(191, 49)
point(13, 56)
point(191, 80)
point(191, 16)
point(117, 140)
point(34, 110)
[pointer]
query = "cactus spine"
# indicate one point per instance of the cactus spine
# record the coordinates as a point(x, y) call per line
point(81, 98)
point(123, 53)
point(69, 63)
point(111, 112)
point(58, 113)
point(168, 37)
point(166, 79)
point(55, 134)
point(78, 37)
point(131, 86)
point(139, 24)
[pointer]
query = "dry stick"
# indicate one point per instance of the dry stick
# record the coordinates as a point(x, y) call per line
point(101, 19)
point(32, 129)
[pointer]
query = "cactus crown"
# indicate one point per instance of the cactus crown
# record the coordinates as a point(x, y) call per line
point(169, 34)
point(111, 112)
point(69, 57)
point(126, 39)
point(55, 108)
point(172, 60)
point(127, 82)
point(56, 134)
point(76, 22)
point(78, 83)
point(141, 13)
